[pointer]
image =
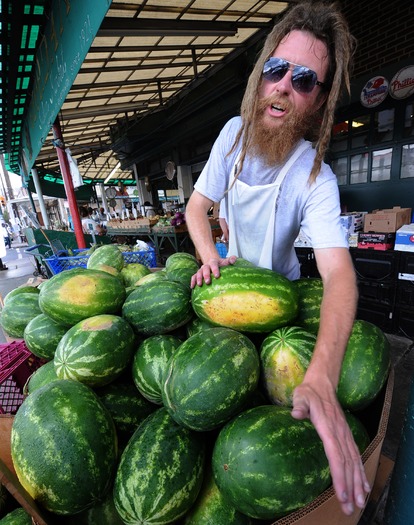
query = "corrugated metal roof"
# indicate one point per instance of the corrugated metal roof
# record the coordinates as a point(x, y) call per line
point(146, 53)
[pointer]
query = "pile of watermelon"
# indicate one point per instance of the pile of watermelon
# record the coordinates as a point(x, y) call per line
point(159, 403)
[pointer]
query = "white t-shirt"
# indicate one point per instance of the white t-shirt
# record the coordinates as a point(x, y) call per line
point(314, 208)
point(89, 226)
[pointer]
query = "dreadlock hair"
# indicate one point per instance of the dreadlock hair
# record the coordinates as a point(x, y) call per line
point(326, 23)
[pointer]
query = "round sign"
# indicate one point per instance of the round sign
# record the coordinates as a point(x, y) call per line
point(402, 83)
point(374, 92)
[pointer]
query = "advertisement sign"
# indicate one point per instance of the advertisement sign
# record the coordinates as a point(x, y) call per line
point(402, 83)
point(374, 92)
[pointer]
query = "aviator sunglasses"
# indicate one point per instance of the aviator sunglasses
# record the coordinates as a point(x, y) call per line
point(303, 78)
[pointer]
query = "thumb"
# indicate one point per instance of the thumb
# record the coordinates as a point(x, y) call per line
point(300, 408)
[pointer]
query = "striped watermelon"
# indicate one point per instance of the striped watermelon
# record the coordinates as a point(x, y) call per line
point(310, 293)
point(212, 509)
point(210, 377)
point(73, 295)
point(248, 299)
point(25, 288)
point(150, 363)
point(359, 431)
point(103, 513)
point(181, 274)
point(95, 351)
point(152, 276)
point(107, 254)
point(17, 312)
point(284, 357)
point(133, 272)
point(158, 307)
point(64, 447)
point(196, 324)
point(42, 376)
point(17, 517)
point(181, 260)
point(267, 464)
point(126, 405)
point(365, 366)
point(160, 472)
point(42, 335)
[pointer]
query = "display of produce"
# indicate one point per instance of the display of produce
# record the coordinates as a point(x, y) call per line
point(107, 255)
point(160, 472)
point(18, 312)
point(166, 381)
point(285, 356)
point(21, 289)
point(210, 377)
point(248, 299)
point(64, 447)
point(73, 295)
point(159, 307)
point(150, 364)
point(267, 464)
point(95, 351)
point(365, 367)
point(42, 335)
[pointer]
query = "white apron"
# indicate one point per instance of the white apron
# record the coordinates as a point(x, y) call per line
point(251, 213)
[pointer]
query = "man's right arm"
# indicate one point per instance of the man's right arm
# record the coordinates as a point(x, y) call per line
point(200, 233)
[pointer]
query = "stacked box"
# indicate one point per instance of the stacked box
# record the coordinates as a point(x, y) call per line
point(387, 221)
point(376, 241)
point(404, 239)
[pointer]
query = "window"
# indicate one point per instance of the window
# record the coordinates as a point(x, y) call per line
point(383, 126)
point(409, 121)
point(340, 168)
point(359, 168)
point(407, 161)
point(360, 131)
point(340, 136)
point(381, 165)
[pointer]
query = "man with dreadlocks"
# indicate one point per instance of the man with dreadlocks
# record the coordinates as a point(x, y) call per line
point(272, 182)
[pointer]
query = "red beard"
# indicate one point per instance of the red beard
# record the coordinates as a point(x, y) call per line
point(273, 144)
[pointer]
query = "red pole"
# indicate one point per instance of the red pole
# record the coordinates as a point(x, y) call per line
point(67, 181)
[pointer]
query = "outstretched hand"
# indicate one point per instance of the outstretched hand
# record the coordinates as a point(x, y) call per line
point(211, 268)
point(347, 471)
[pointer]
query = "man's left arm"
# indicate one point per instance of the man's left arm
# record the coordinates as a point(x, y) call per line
point(316, 397)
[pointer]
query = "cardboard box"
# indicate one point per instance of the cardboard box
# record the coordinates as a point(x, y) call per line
point(376, 241)
point(386, 221)
point(352, 222)
point(353, 240)
point(404, 239)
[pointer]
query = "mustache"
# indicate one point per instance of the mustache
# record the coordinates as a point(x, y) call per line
point(273, 100)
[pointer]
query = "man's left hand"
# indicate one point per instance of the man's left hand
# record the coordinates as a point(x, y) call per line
point(348, 474)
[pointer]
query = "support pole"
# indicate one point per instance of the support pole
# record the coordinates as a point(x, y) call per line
point(41, 200)
point(399, 508)
point(67, 181)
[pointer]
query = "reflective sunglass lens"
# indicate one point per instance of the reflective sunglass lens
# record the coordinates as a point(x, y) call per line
point(304, 80)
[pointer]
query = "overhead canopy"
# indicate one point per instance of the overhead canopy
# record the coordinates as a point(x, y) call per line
point(146, 58)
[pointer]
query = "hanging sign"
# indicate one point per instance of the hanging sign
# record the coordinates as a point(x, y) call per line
point(402, 83)
point(374, 92)
point(68, 36)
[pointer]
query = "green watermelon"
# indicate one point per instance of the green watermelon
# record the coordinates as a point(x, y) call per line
point(150, 363)
point(17, 517)
point(248, 299)
point(212, 509)
point(196, 324)
point(103, 513)
point(365, 366)
point(73, 295)
point(152, 276)
point(181, 274)
point(284, 357)
point(181, 260)
point(267, 464)
point(131, 273)
point(126, 405)
point(64, 447)
point(42, 335)
point(310, 293)
point(42, 376)
point(160, 472)
point(359, 431)
point(158, 307)
point(25, 288)
point(107, 254)
point(210, 377)
point(18, 312)
point(95, 351)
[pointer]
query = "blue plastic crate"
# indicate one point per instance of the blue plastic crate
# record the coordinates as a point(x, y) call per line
point(80, 260)
point(222, 249)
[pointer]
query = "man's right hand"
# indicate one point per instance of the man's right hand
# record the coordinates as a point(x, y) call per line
point(211, 268)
